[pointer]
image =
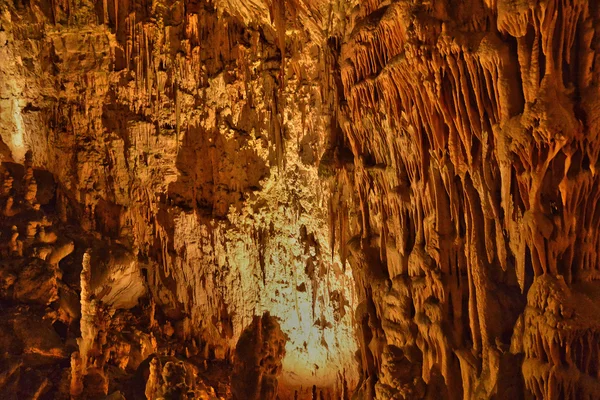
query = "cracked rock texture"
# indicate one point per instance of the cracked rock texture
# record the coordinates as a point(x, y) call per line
point(310, 199)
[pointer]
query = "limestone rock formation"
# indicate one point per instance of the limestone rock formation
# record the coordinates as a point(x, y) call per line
point(399, 196)
point(257, 360)
point(472, 127)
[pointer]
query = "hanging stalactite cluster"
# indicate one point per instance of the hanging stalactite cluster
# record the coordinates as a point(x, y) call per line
point(474, 141)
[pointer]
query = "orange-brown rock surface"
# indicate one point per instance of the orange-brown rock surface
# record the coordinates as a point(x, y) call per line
point(257, 360)
point(473, 130)
point(407, 189)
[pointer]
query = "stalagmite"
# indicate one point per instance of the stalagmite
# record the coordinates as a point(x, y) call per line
point(88, 314)
point(257, 363)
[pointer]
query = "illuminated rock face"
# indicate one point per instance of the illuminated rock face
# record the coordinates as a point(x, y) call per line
point(408, 187)
point(177, 134)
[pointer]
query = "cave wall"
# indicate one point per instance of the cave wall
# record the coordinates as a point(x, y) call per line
point(176, 130)
point(473, 126)
point(413, 179)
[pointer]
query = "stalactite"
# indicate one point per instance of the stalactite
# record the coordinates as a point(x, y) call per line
point(444, 92)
